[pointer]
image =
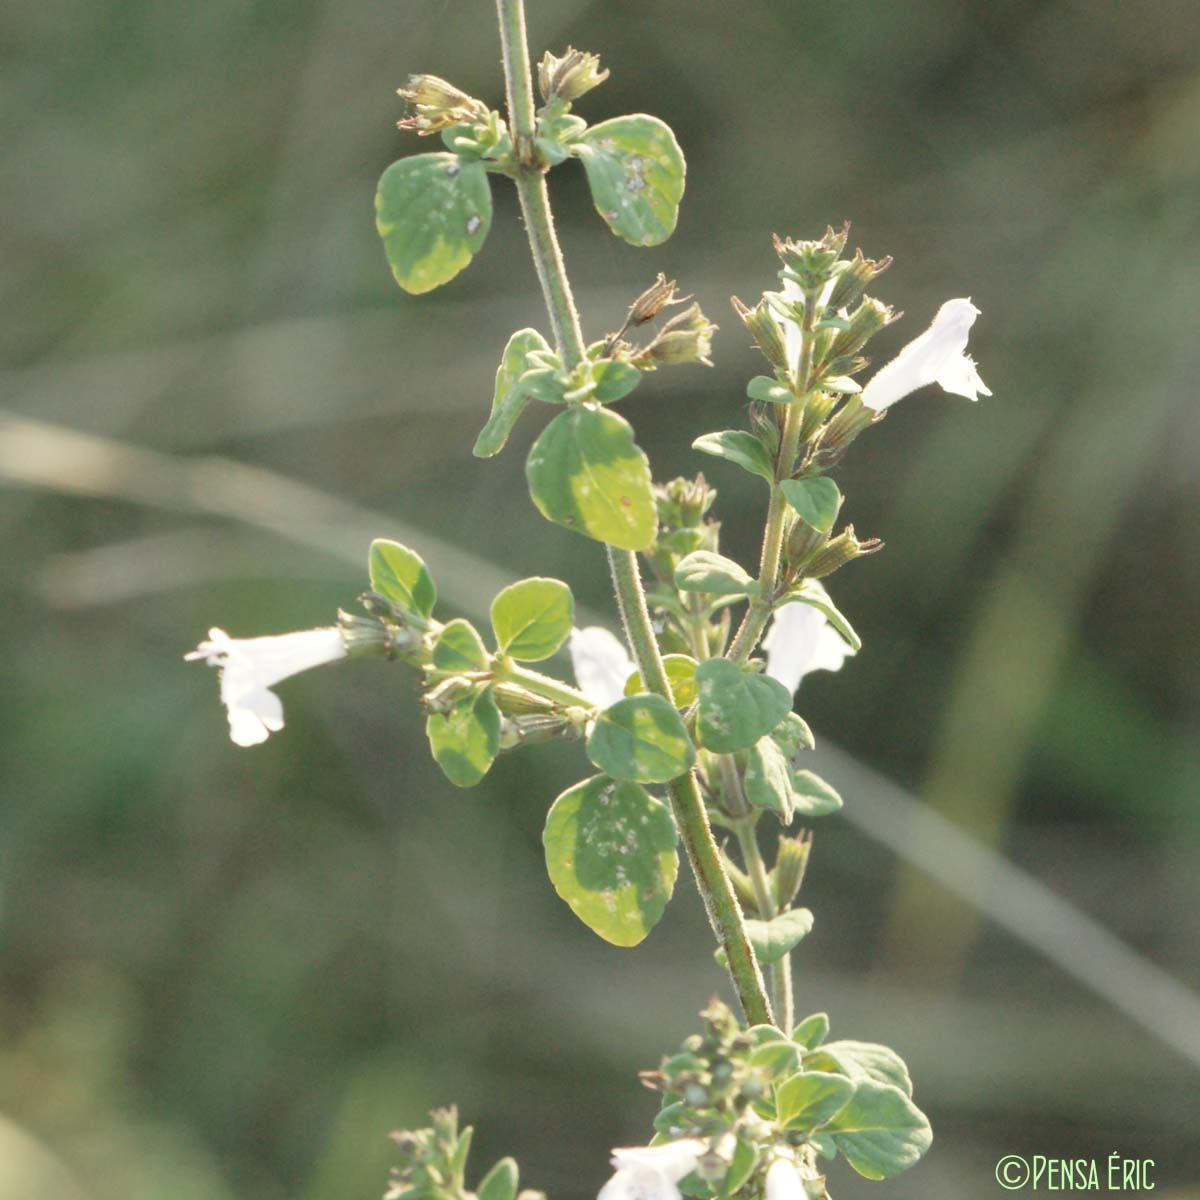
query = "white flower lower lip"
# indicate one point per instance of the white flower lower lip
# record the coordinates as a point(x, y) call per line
point(601, 664)
point(250, 667)
point(801, 640)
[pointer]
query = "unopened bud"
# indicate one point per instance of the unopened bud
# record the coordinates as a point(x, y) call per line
point(765, 331)
point(436, 105)
point(812, 263)
point(791, 859)
point(846, 424)
point(816, 409)
point(842, 549)
point(683, 339)
point(366, 637)
point(803, 541)
point(865, 322)
point(659, 295)
point(570, 76)
point(853, 277)
point(742, 887)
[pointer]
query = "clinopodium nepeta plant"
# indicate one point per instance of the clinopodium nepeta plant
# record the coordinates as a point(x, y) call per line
point(684, 727)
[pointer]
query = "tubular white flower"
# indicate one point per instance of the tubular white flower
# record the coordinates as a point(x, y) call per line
point(937, 356)
point(602, 665)
point(250, 667)
point(791, 330)
point(801, 640)
point(783, 1181)
point(651, 1172)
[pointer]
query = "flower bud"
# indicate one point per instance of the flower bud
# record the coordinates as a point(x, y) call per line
point(764, 424)
point(791, 859)
point(435, 105)
point(570, 76)
point(683, 339)
point(765, 331)
point(803, 541)
point(845, 425)
point(842, 549)
point(659, 295)
point(865, 322)
point(853, 277)
point(742, 887)
point(812, 263)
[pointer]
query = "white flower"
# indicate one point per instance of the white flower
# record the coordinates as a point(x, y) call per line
point(937, 356)
point(783, 1181)
point(791, 330)
point(601, 664)
point(801, 640)
point(652, 1172)
point(250, 667)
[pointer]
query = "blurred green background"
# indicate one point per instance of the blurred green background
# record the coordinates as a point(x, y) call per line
point(228, 973)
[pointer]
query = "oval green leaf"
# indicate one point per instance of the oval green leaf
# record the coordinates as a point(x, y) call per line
point(500, 1183)
point(509, 398)
point(738, 446)
point(806, 1101)
point(681, 675)
point(767, 778)
point(466, 740)
point(816, 500)
point(813, 592)
point(459, 648)
point(880, 1131)
point(433, 212)
point(812, 796)
point(775, 938)
point(704, 571)
point(641, 738)
point(812, 1031)
point(635, 170)
point(614, 380)
point(533, 618)
point(762, 387)
point(585, 473)
point(736, 708)
point(862, 1060)
point(398, 574)
point(610, 851)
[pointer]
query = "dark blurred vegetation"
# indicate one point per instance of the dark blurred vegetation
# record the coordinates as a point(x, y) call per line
point(229, 973)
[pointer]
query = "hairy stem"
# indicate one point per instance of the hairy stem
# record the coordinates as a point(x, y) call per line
point(686, 802)
point(753, 622)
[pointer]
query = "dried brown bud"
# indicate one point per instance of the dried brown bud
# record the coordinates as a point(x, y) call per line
point(684, 338)
point(659, 295)
point(436, 105)
point(569, 76)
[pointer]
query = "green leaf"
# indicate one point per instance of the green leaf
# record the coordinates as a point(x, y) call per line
point(792, 735)
point(547, 384)
point(533, 618)
point(500, 1183)
point(466, 740)
point(813, 592)
point(433, 212)
point(812, 1031)
point(681, 675)
point(861, 1060)
point(776, 1058)
point(610, 851)
point(880, 1131)
point(812, 796)
point(641, 738)
point(808, 1100)
point(816, 500)
point(768, 778)
point(775, 938)
point(736, 708)
point(459, 648)
point(704, 571)
point(738, 446)
point(823, 1144)
point(586, 473)
point(399, 575)
point(840, 383)
point(614, 380)
point(741, 1167)
point(636, 172)
point(769, 390)
point(510, 398)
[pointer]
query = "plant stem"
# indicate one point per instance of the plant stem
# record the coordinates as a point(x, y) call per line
point(686, 802)
point(751, 628)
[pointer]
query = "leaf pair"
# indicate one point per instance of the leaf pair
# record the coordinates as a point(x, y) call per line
point(433, 211)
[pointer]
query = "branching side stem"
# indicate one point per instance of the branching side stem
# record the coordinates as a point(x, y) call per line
point(690, 815)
